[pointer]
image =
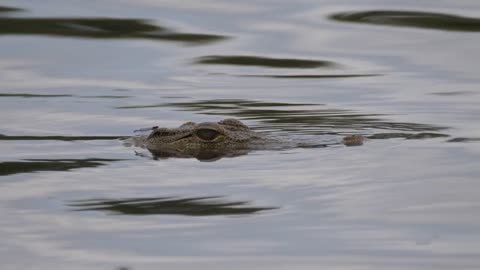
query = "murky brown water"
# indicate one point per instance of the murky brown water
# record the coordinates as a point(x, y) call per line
point(76, 75)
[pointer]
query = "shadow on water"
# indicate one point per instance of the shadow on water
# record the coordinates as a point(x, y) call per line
point(4, 9)
point(99, 28)
point(282, 63)
point(58, 138)
point(464, 140)
point(310, 76)
point(416, 19)
point(203, 155)
point(408, 136)
point(219, 104)
point(240, 60)
point(196, 206)
point(22, 95)
point(26, 95)
point(302, 119)
point(36, 165)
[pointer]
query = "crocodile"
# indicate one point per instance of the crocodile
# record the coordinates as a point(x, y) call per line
point(208, 141)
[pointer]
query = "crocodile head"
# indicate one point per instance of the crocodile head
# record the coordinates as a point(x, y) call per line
point(209, 141)
point(205, 141)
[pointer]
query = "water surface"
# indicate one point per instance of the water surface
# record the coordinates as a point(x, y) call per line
point(76, 78)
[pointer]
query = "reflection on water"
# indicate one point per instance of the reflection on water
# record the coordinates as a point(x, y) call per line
point(239, 60)
point(57, 138)
point(205, 155)
point(26, 95)
point(195, 206)
point(408, 136)
point(36, 165)
point(104, 96)
point(9, 9)
point(218, 104)
point(104, 28)
point(311, 76)
point(33, 95)
point(292, 118)
point(452, 93)
point(465, 140)
point(417, 19)
point(283, 63)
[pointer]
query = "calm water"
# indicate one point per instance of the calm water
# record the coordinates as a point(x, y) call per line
point(75, 76)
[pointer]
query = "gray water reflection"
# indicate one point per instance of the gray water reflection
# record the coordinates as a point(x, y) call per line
point(310, 76)
point(9, 9)
point(57, 138)
point(193, 206)
point(205, 155)
point(260, 61)
point(417, 19)
point(23, 95)
point(36, 165)
point(408, 136)
point(464, 140)
point(295, 118)
point(27, 95)
point(99, 28)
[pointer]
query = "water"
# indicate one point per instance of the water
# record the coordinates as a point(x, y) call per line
point(75, 76)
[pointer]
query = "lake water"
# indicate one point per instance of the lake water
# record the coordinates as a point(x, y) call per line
point(75, 75)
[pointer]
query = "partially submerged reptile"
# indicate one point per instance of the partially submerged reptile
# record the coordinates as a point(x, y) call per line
point(213, 140)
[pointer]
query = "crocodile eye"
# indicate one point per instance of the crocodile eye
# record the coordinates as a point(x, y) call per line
point(207, 134)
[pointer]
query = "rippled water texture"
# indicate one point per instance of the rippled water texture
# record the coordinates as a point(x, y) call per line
point(78, 77)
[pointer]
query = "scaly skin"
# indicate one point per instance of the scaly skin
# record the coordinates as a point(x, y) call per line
point(207, 140)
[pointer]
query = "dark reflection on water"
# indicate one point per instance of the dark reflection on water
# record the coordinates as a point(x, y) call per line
point(408, 136)
point(217, 153)
point(296, 118)
point(99, 27)
point(221, 104)
point(241, 60)
point(26, 95)
point(195, 206)
point(311, 76)
point(417, 19)
point(32, 95)
point(464, 140)
point(36, 165)
point(452, 93)
point(9, 9)
point(205, 155)
point(58, 138)
point(105, 96)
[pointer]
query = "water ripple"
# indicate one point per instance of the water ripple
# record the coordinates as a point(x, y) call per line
point(416, 19)
point(99, 28)
point(248, 60)
point(194, 206)
point(36, 165)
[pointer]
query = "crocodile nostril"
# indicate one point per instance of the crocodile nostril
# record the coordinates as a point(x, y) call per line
point(207, 134)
